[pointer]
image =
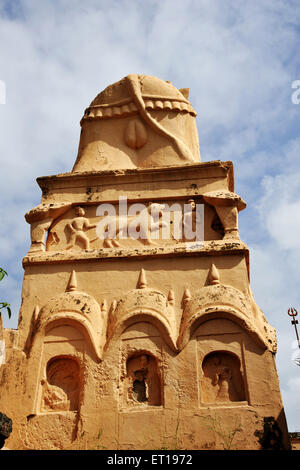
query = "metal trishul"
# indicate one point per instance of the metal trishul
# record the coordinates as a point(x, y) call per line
point(292, 312)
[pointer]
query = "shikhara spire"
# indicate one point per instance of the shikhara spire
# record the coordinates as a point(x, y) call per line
point(138, 328)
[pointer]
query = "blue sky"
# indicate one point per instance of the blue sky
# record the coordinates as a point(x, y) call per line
point(239, 60)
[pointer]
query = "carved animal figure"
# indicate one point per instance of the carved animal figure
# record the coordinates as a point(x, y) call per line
point(140, 226)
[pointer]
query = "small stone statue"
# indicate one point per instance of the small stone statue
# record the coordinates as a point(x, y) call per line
point(77, 227)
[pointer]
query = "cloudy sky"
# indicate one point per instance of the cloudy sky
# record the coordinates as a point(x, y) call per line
point(239, 60)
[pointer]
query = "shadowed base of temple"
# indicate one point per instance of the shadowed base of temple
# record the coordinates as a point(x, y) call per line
point(5, 428)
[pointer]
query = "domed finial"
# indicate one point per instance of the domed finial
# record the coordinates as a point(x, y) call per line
point(213, 276)
point(72, 284)
point(144, 101)
point(142, 282)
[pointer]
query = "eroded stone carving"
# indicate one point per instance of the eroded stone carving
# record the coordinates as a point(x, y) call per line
point(125, 225)
point(117, 126)
point(143, 380)
point(188, 221)
point(222, 380)
point(141, 226)
point(227, 205)
point(40, 219)
point(61, 386)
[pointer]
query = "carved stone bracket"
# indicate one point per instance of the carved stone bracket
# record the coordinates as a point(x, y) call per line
point(227, 206)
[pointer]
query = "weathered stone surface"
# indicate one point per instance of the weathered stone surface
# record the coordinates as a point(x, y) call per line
point(141, 342)
point(140, 121)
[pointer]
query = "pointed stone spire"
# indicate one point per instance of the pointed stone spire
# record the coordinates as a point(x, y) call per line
point(213, 276)
point(171, 297)
point(72, 284)
point(186, 296)
point(142, 282)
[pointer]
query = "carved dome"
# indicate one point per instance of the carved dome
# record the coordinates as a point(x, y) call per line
point(128, 125)
point(156, 93)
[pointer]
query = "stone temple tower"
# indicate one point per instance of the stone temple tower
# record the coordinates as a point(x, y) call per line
point(138, 328)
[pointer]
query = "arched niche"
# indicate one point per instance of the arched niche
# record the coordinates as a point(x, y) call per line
point(140, 329)
point(222, 380)
point(62, 385)
point(143, 380)
point(62, 331)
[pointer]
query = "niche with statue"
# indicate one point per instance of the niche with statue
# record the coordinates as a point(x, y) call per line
point(222, 380)
point(60, 389)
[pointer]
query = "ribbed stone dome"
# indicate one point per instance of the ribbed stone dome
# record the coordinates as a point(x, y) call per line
point(155, 92)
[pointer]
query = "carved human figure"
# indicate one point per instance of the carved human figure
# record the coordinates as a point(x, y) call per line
point(77, 227)
point(139, 376)
point(222, 379)
point(139, 388)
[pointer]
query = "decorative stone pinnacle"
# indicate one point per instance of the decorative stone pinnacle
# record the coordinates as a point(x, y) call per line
point(142, 282)
point(186, 296)
point(213, 276)
point(72, 284)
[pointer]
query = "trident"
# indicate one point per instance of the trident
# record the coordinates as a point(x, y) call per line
point(293, 313)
